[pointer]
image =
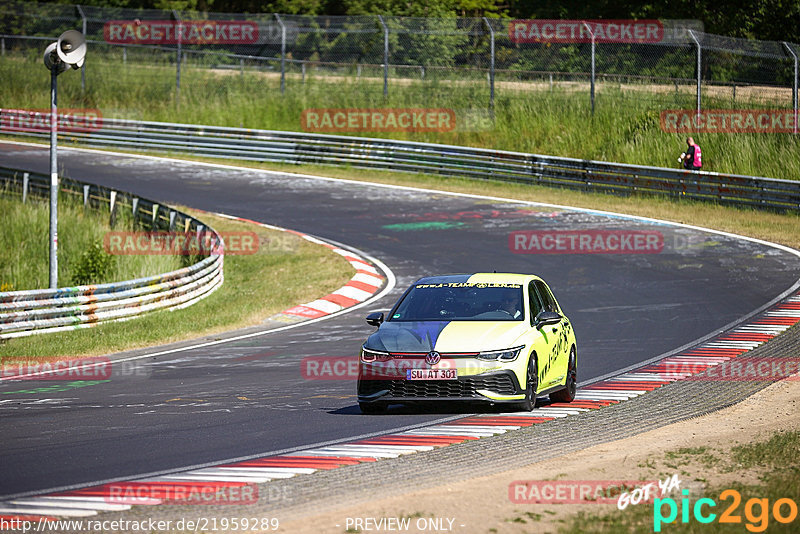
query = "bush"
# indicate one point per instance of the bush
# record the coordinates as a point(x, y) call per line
point(93, 265)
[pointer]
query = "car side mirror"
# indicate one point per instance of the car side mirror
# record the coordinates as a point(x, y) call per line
point(375, 319)
point(545, 318)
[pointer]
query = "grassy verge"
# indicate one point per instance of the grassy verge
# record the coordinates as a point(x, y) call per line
point(529, 117)
point(24, 263)
point(769, 472)
point(285, 271)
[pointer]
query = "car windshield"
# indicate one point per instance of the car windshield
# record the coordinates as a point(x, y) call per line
point(461, 301)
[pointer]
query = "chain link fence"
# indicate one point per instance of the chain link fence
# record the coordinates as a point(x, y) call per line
point(487, 56)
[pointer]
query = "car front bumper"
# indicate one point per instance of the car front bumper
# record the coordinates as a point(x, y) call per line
point(493, 387)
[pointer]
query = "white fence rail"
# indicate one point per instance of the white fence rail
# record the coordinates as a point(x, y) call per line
point(23, 313)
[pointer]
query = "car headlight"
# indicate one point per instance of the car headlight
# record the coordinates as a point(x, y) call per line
point(507, 355)
point(368, 356)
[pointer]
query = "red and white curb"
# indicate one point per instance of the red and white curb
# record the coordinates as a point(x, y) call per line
point(365, 283)
point(720, 349)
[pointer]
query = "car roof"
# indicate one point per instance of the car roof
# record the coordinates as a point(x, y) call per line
point(503, 278)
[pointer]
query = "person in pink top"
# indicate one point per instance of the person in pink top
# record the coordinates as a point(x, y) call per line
point(692, 158)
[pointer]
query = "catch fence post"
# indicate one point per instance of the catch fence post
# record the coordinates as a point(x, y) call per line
point(794, 85)
point(83, 67)
point(283, 52)
point(385, 57)
point(491, 63)
point(699, 67)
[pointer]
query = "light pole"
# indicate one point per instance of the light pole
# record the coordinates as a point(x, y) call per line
point(68, 51)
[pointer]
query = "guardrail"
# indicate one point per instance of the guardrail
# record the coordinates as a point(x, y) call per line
point(409, 156)
point(23, 313)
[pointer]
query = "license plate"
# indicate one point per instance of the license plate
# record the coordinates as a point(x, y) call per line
point(431, 374)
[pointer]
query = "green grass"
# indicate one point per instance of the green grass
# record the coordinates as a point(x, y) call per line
point(528, 116)
point(24, 263)
point(777, 459)
point(286, 271)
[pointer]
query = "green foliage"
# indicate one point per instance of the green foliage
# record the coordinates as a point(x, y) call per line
point(93, 265)
point(776, 20)
point(81, 259)
point(529, 116)
point(783, 448)
point(643, 125)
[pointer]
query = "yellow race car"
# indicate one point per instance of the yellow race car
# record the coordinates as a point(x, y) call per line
point(487, 337)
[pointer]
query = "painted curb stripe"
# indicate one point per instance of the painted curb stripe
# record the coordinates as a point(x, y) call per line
point(716, 351)
point(364, 283)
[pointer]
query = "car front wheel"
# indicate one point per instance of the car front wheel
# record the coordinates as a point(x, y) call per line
point(531, 383)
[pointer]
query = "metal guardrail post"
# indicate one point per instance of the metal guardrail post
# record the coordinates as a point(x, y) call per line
point(83, 67)
point(283, 52)
point(3, 46)
point(699, 67)
point(491, 63)
point(179, 32)
point(794, 86)
point(385, 57)
point(134, 210)
point(112, 208)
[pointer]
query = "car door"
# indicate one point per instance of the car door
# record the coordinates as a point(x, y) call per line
point(544, 340)
point(553, 363)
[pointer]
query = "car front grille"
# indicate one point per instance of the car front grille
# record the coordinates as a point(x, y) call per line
point(501, 384)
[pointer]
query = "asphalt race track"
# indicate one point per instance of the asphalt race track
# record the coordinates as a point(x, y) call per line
point(249, 397)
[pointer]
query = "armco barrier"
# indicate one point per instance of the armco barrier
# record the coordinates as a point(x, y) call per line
point(23, 313)
point(407, 156)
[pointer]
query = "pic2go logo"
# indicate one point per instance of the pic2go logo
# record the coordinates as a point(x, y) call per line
point(756, 511)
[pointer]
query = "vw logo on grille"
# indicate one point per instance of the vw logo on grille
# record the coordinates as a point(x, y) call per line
point(432, 358)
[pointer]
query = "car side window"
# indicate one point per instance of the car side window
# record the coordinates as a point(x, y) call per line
point(535, 303)
point(547, 297)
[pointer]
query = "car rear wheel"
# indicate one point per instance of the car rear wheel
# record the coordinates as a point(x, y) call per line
point(531, 384)
point(372, 408)
point(568, 393)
